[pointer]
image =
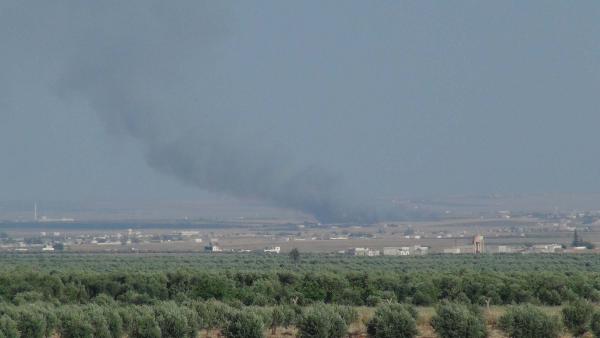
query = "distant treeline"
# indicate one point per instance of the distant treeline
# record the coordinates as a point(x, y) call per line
point(337, 263)
point(303, 288)
point(70, 295)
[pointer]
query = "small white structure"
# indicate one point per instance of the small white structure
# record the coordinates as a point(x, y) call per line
point(546, 248)
point(396, 251)
point(373, 253)
point(504, 249)
point(48, 248)
point(189, 233)
point(273, 249)
point(363, 252)
point(212, 247)
point(453, 251)
point(421, 250)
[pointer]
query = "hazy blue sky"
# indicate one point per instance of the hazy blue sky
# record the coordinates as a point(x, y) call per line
point(390, 97)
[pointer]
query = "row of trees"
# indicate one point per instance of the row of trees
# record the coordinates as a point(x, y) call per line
point(286, 287)
point(458, 320)
point(305, 262)
point(107, 319)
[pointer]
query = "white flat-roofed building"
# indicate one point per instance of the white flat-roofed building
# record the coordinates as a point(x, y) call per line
point(396, 251)
point(452, 251)
point(546, 248)
point(273, 249)
point(363, 252)
point(504, 249)
point(421, 250)
point(48, 248)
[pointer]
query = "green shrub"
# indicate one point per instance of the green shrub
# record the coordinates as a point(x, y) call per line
point(144, 324)
point(27, 297)
point(8, 327)
point(577, 316)
point(31, 323)
point(104, 300)
point(96, 318)
point(212, 314)
point(321, 321)
point(527, 321)
point(281, 316)
point(455, 320)
point(244, 324)
point(175, 321)
point(595, 324)
point(74, 324)
point(114, 321)
point(126, 313)
point(393, 321)
point(348, 313)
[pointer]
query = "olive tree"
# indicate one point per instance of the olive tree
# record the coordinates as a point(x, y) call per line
point(577, 316)
point(457, 320)
point(244, 324)
point(527, 321)
point(321, 321)
point(393, 321)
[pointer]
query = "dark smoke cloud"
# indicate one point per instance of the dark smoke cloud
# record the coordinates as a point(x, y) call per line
point(143, 71)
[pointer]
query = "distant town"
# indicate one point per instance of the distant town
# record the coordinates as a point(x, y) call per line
point(501, 232)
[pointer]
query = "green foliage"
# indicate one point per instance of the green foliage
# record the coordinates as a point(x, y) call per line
point(266, 280)
point(27, 297)
point(455, 320)
point(244, 324)
point(282, 316)
point(8, 327)
point(144, 324)
point(175, 321)
point(295, 255)
point(577, 316)
point(348, 313)
point(75, 324)
point(321, 321)
point(527, 321)
point(212, 314)
point(31, 323)
point(114, 321)
point(96, 317)
point(393, 321)
point(177, 295)
point(595, 324)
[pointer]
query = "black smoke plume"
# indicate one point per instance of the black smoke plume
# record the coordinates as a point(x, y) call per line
point(142, 70)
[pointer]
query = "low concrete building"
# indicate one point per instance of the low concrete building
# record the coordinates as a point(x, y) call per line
point(504, 249)
point(396, 251)
point(453, 251)
point(546, 248)
point(273, 249)
point(363, 252)
point(212, 247)
point(421, 250)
